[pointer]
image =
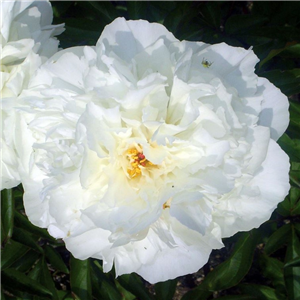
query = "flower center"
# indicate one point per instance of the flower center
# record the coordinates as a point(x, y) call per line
point(137, 161)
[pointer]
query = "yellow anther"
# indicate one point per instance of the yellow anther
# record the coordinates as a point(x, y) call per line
point(136, 159)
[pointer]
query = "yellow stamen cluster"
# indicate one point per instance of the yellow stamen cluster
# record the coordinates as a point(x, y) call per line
point(137, 159)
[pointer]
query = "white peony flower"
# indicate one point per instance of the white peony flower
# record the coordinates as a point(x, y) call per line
point(149, 150)
point(27, 39)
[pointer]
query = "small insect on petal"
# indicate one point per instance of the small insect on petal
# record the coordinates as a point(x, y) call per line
point(206, 63)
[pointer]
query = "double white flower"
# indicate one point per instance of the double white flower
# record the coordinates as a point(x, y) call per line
point(147, 150)
point(27, 39)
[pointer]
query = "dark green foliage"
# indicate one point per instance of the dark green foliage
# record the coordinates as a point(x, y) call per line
point(261, 264)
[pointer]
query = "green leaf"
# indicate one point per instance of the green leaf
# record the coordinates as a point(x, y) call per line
point(272, 269)
point(3, 233)
point(293, 263)
point(294, 196)
point(294, 126)
point(165, 290)
point(125, 294)
point(55, 260)
point(292, 51)
point(41, 274)
point(105, 10)
point(25, 238)
point(238, 297)
point(16, 280)
point(35, 273)
point(12, 252)
point(134, 285)
point(64, 295)
point(80, 32)
point(288, 81)
point(25, 262)
point(22, 222)
point(242, 23)
point(103, 288)
point(137, 9)
point(196, 293)
point(7, 212)
point(2, 296)
point(277, 239)
point(80, 278)
point(166, 5)
point(231, 271)
point(273, 53)
point(295, 178)
point(262, 292)
point(211, 13)
point(284, 207)
point(60, 7)
point(295, 201)
point(297, 227)
point(290, 146)
point(292, 274)
point(174, 18)
point(46, 279)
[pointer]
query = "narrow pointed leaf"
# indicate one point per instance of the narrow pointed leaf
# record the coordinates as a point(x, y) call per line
point(238, 297)
point(292, 274)
point(80, 278)
point(293, 263)
point(23, 222)
point(277, 239)
point(46, 279)
point(12, 252)
point(25, 262)
point(7, 211)
point(16, 280)
point(262, 292)
point(165, 290)
point(105, 10)
point(3, 233)
point(272, 269)
point(137, 9)
point(55, 260)
point(287, 81)
point(25, 238)
point(134, 285)
point(102, 287)
point(125, 294)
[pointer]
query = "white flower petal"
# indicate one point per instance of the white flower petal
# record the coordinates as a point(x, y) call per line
point(127, 38)
point(274, 113)
point(27, 39)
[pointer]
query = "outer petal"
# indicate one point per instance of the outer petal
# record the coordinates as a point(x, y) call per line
point(155, 257)
point(127, 38)
point(9, 173)
point(256, 201)
point(274, 113)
